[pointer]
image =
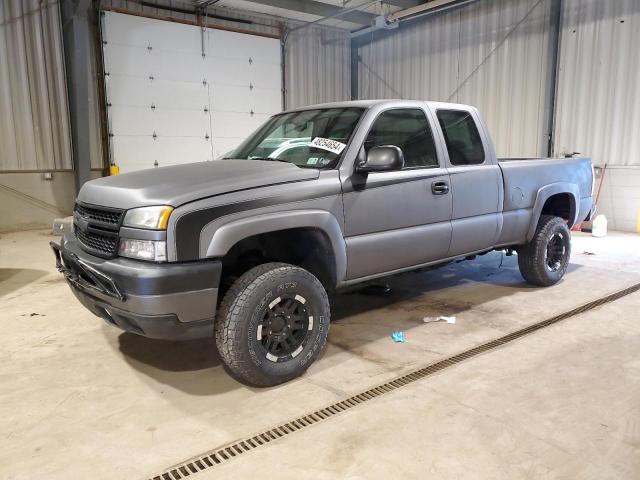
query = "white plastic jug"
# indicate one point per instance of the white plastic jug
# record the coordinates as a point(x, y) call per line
point(599, 226)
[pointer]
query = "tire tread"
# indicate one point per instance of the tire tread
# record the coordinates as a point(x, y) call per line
point(233, 311)
point(531, 256)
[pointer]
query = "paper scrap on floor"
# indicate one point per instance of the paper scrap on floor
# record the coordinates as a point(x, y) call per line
point(441, 318)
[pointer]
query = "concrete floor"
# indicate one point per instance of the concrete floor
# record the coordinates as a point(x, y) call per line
point(79, 399)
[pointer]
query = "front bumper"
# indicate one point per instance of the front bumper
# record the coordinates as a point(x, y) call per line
point(174, 301)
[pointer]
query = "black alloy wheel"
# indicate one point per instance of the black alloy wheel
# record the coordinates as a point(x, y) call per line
point(284, 327)
point(272, 324)
point(556, 251)
point(544, 260)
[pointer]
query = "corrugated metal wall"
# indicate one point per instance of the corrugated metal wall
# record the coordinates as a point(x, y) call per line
point(317, 66)
point(598, 112)
point(484, 54)
point(33, 97)
point(494, 55)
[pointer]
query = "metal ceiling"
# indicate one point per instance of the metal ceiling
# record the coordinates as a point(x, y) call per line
point(358, 16)
point(347, 14)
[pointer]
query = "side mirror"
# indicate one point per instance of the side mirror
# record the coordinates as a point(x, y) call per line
point(382, 159)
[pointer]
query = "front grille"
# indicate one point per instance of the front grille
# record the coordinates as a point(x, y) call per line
point(98, 243)
point(97, 229)
point(108, 216)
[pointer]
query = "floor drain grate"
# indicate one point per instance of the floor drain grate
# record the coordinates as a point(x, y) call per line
point(229, 452)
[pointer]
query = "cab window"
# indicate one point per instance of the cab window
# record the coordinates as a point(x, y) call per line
point(408, 129)
point(461, 136)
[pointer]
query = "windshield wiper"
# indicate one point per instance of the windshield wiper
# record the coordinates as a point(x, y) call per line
point(270, 159)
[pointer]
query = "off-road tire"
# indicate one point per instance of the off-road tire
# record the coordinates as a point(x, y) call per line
point(238, 325)
point(533, 258)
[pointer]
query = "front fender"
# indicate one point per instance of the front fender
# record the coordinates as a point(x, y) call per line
point(547, 192)
point(227, 235)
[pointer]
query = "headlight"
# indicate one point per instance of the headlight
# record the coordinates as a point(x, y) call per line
point(155, 218)
point(143, 249)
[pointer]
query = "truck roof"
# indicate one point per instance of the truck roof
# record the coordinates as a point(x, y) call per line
point(375, 102)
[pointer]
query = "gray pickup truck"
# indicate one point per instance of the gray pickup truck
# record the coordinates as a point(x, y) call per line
point(247, 248)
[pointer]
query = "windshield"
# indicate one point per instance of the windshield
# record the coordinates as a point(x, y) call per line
point(310, 138)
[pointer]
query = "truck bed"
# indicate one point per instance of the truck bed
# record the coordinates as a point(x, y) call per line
point(527, 175)
point(524, 177)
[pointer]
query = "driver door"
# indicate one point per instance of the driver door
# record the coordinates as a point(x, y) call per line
point(401, 218)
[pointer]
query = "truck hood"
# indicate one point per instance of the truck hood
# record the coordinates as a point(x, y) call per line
point(180, 184)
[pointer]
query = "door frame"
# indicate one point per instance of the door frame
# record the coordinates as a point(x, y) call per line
point(351, 181)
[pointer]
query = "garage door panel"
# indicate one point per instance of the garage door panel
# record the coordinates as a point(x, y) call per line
point(128, 120)
point(230, 98)
point(266, 76)
point(179, 66)
point(266, 100)
point(229, 124)
point(170, 94)
point(224, 146)
point(257, 48)
point(232, 124)
point(181, 123)
point(135, 31)
point(127, 60)
point(145, 152)
point(144, 32)
point(174, 37)
point(224, 71)
point(255, 122)
point(138, 163)
point(132, 91)
point(235, 72)
point(199, 107)
point(180, 150)
point(135, 152)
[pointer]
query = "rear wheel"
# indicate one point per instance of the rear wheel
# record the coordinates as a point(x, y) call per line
point(544, 260)
point(272, 324)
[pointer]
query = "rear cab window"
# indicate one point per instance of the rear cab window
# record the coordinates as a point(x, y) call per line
point(461, 136)
point(407, 128)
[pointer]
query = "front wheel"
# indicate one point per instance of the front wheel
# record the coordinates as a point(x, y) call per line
point(544, 260)
point(272, 324)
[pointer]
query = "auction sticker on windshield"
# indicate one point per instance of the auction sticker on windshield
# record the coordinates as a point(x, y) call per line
point(328, 144)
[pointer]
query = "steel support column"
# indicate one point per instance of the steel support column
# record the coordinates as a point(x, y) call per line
point(355, 63)
point(76, 37)
point(552, 83)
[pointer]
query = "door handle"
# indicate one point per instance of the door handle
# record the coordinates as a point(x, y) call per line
point(439, 188)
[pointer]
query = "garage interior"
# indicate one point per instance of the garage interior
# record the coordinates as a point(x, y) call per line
point(520, 382)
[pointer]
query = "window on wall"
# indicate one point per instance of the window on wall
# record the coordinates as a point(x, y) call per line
point(408, 129)
point(462, 137)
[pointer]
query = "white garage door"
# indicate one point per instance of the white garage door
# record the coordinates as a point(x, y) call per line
point(177, 94)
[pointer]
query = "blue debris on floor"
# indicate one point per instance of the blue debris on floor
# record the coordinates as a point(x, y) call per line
point(398, 337)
